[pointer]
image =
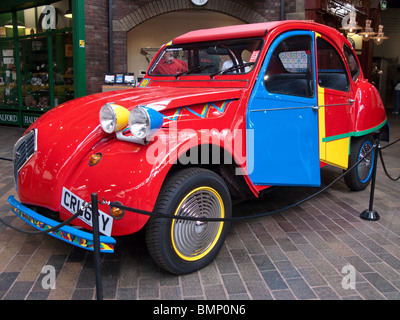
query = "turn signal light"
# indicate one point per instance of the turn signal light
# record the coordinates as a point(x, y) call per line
point(117, 213)
point(95, 159)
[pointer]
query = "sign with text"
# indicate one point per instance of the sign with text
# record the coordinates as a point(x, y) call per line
point(9, 117)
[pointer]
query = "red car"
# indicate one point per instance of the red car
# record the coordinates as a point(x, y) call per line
point(221, 114)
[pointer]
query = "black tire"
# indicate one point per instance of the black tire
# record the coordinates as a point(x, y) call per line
point(182, 246)
point(360, 177)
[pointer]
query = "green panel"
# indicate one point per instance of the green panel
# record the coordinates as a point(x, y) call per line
point(17, 59)
point(79, 47)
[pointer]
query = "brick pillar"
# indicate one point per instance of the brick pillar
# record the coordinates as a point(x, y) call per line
point(97, 44)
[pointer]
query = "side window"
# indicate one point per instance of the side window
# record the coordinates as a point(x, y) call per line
point(352, 62)
point(331, 70)
point(290, 69)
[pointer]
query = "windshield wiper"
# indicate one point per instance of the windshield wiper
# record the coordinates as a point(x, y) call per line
point(241, 65)
point(194, 69)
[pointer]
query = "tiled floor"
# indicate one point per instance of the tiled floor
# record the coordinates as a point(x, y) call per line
point(307, 252)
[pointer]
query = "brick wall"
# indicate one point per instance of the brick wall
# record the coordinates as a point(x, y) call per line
point(129, 13)
point(270, 9)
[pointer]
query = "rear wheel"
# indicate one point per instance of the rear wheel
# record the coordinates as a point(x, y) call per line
point(360, 176)
point(184, 246)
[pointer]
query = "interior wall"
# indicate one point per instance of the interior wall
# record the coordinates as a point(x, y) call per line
point(387, 55)
point(391, 27)
point(154, 32)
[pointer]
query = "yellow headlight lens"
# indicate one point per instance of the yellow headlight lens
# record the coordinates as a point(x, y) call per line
point(113, 117)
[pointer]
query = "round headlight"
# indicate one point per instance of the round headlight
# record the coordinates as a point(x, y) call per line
point(139, 122)
point(108, 118)
point(113, 117)
point(143, 121)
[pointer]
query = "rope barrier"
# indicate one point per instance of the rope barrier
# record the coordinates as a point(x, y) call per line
point(65, 222)
point(383, 162)
point(164, 216)
point(206, 219)
point(94, 202)
point(260, 215)
point(390, 144)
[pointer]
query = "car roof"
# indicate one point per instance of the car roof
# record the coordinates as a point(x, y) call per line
point(249, 30)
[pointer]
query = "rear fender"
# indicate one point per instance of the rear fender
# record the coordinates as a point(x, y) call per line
point(369, 110)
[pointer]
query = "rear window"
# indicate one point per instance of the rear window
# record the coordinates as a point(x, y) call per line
point(352, 62)
point(331, 70)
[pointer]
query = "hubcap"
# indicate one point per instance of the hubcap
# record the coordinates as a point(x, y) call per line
point(192, 240)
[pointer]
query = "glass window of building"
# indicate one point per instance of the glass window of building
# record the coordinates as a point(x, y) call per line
point(36, 67)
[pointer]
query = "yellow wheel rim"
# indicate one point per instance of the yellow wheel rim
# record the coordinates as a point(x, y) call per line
point(193, 240)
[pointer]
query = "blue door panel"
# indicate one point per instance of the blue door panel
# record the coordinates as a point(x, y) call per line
point(285, 150)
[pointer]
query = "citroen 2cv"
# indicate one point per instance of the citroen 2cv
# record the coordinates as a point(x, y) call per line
point(222, 113)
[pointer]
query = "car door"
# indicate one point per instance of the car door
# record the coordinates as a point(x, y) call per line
point(283, 115)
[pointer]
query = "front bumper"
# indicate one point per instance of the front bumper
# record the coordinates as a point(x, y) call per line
point(68, 234)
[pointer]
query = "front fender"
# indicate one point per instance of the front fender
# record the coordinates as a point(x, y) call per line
point(133, 174)
point(123, 174)
point(129, 173)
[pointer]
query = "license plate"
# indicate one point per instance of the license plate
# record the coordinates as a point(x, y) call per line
point(73, 204)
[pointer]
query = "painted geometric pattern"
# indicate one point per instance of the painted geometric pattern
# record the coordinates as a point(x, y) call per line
point(62, 235)
point(203, 113)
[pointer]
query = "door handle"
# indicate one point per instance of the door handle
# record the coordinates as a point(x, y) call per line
point(352, 101)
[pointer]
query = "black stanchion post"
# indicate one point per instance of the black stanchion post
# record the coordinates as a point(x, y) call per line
point(96, 246)
point(370, 214)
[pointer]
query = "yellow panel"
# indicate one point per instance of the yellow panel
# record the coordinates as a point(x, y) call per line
point(321, 122)
point(321, 118)
point(337, 152)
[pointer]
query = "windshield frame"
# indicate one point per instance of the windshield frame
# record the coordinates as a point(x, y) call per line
point(211, 51)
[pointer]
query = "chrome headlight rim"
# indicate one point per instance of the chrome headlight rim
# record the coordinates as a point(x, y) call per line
point(144, 122)
point(106, 125)
point(139, 115)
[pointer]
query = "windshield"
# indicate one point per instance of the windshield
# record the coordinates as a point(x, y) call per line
point(220, 57)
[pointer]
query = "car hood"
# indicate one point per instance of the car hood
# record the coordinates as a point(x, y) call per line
point(85, 110)
point(75, 124)
point(67, 134)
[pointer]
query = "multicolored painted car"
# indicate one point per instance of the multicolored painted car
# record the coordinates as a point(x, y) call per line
point(221, 114)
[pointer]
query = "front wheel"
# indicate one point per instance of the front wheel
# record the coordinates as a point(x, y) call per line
point(359, 178)
point(184, 246)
